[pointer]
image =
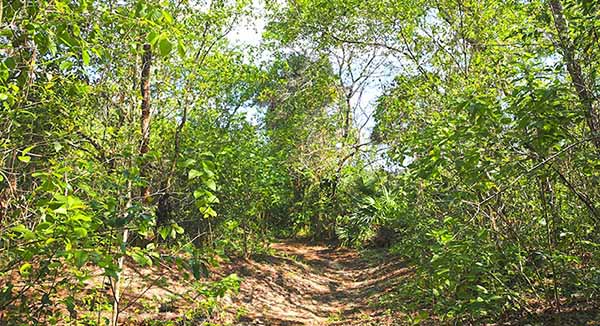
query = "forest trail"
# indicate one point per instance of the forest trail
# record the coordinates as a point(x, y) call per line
point(309, 284)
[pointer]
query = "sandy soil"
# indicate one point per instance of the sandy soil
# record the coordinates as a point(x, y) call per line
point(303, 284)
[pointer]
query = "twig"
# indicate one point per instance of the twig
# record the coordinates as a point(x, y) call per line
point(535, 167)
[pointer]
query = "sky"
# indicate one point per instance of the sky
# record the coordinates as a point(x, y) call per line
point(248, 33)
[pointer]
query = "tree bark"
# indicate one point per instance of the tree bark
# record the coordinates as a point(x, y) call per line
point(574, 68)
point(145, 190)
point(145, 118)
point(116, 285)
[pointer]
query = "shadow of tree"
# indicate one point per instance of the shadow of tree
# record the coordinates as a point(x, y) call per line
point(314, 284)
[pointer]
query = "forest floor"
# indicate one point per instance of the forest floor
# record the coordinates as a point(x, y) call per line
point(296, 283)
point(314, 284)
point(293, 283)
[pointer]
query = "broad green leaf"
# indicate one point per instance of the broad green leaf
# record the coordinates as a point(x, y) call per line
point(43, 226)
point(24, 231)
point(198, 193)
point(80, 257)
point(212, 199)
point(152, 38)
point(81, 217)
point(165, 47)
point(164, 232)
point(211, 184)
point(141, 259)
point(61, 210)
point(194, 174)
point(80, 232)
point(198, 269)
point(167, 16)
point(189, 162)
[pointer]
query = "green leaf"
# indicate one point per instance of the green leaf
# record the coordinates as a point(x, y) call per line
point(188, 162)
point(80, 232)
point(422, 316)
point(178, 229)
point(208, 212)
point(85, 56)
point(43, 226)
point(81, 258)
point(211, 184)
point(24, 159)
point(80, 217)
point(194, 174)
point(74, 202)
point(167, 16)
point(25, 269)
point(165, 47)
point(164, 232)
point(181, 49)
point(70, 303)
point(198, 269)
point(57, 146)
point(61, 210)
point(198, 193)
point(65, 65)
point(212, 199)
point(141, 259)
point(207, 170)
point(152, 37)
point(24, 231)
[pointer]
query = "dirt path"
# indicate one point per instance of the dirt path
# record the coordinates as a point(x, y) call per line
point(313, 285)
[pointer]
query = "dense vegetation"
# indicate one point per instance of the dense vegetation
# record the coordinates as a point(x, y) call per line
point(464, 135)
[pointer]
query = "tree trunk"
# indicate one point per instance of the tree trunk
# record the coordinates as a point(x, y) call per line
point(145, 118)
point(145, 190)
point(574, 68)
point(116, 286)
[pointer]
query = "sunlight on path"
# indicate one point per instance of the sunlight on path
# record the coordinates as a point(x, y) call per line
point(313, 285)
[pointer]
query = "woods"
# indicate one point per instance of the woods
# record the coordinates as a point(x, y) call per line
point(458, 141)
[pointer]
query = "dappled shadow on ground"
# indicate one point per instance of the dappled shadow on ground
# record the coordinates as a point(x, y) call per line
point(573, 313)
point(313, 285)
